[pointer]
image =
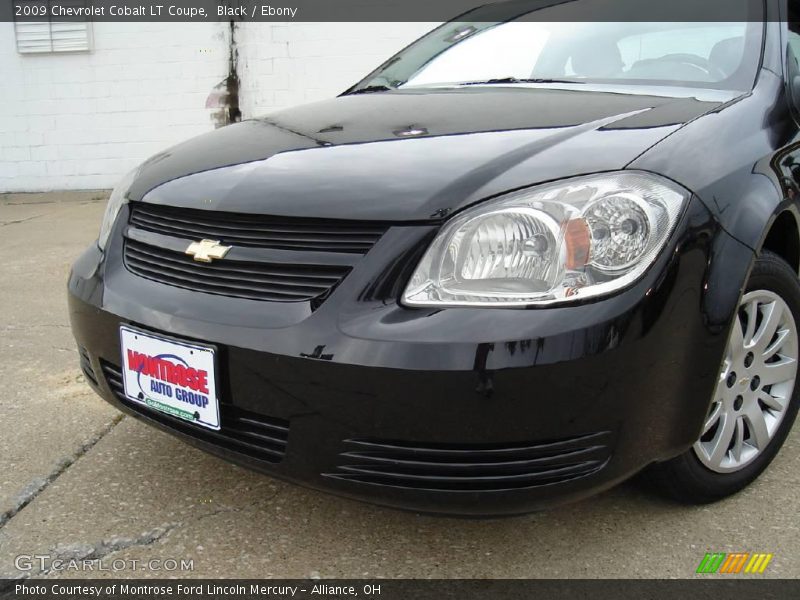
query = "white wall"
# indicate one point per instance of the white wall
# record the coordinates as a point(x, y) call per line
point(80, 121)
point(293, 63)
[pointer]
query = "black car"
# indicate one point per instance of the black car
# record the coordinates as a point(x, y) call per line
point(520, 262)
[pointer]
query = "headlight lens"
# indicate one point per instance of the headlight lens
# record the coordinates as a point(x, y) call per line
point(116, 200)
point(569, 240)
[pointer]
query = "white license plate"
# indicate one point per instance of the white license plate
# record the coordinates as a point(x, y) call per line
point(170, 376)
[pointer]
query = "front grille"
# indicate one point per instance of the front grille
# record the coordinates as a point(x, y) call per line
point(264, 438)
point(258, 231)
point(472, 468)
point(238, 279)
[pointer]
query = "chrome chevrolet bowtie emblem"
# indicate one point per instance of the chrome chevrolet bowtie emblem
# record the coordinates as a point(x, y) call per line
point(207, 250)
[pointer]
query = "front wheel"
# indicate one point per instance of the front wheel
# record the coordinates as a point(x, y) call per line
point(755, 401)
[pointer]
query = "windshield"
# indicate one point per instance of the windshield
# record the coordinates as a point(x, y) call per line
point(717, 55)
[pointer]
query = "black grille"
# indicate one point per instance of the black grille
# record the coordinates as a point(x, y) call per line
point(258, 231)
point(260, 437)
point(238, 279)
point(471, 468)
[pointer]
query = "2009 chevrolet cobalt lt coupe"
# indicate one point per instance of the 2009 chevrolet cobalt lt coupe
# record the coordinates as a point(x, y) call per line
point(515, 265)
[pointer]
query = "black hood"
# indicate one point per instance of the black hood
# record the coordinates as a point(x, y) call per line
point(409, 155)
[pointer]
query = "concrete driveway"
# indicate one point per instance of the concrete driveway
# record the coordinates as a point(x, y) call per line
point(79, 481)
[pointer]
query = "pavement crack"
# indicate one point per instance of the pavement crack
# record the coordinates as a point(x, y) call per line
point(17, 221)
point(38, 485)
point(102, 549)
point(80, 554)
point(215, 512)
point(225, 509)
point(34, 326)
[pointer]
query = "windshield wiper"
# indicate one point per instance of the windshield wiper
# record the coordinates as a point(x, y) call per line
point(502, 80)
point(371, 89)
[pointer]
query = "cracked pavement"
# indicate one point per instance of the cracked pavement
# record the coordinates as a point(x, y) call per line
point(78, 481)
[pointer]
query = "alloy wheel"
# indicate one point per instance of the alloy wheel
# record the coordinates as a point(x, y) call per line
point(755, 384)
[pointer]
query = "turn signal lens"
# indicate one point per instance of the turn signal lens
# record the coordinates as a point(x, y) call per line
point(560, 242)
point(578, 240)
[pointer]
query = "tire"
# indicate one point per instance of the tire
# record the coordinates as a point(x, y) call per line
point(706, 473)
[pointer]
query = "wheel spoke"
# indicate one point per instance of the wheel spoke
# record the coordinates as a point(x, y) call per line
point(772, 314)
point(722, 441)
point(738, 439)
point(757, 424)
point(778, 372)
point(772, 402)
point(752, 310)
point(773, 348)
point(712, 419)
point(737, 334)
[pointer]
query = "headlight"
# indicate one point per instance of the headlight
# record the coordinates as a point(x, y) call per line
point(564, 241)
point(118, 197)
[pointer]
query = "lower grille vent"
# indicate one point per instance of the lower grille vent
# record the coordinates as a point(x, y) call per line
point(264, 438)
point(86, 365)
point(471, 468)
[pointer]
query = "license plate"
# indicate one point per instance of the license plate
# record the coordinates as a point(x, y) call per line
point(170, 376)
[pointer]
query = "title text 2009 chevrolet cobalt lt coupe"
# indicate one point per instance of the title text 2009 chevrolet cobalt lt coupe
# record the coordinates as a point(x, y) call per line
point(520, 262)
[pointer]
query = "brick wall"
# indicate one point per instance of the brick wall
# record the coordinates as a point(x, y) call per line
point(80, 121)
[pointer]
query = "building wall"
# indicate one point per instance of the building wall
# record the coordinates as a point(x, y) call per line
point(294, 63)
point(80, 121)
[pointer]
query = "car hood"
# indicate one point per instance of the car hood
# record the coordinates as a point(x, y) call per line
point(409, 155)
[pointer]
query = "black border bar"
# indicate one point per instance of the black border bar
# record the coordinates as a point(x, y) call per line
point(712, 587)
point(383, 10)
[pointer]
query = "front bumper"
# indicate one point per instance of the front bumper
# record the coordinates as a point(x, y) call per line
point(462, 411)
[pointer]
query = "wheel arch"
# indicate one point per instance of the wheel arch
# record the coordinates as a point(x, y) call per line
point(782, 237)
point(761, 218)
point(764, 216)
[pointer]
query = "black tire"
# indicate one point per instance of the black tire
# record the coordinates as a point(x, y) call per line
point(686, 479)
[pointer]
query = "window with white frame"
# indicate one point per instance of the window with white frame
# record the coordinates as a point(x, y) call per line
point(48, 34)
